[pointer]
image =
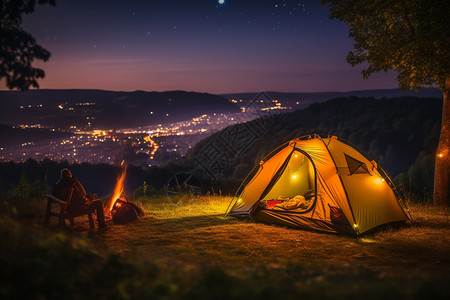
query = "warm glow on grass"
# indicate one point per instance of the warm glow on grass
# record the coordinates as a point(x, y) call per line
point(195, 230)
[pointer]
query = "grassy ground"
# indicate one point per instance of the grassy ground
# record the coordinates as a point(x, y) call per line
point(194, 231)
point(185, 248)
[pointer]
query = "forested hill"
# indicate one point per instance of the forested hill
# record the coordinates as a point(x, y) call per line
point(400, 133)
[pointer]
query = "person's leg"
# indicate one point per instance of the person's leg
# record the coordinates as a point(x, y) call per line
point(97, 204)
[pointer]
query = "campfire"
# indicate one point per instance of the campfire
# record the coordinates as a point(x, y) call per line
point(118, 189)
point(120, 209)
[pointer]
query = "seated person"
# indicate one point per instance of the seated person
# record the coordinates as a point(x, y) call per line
point(69, 189)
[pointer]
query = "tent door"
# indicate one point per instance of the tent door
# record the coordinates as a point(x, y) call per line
point(293, 188)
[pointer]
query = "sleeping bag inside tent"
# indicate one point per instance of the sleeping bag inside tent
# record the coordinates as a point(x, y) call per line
point(322, 183)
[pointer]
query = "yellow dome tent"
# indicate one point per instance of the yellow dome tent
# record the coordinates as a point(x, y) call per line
point(322, 183)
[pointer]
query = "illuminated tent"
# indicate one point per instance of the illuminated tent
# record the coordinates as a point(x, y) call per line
point(322, 183)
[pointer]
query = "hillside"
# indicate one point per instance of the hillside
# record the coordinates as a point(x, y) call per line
point(400, 133)
point(305, 99)
point(106, 109)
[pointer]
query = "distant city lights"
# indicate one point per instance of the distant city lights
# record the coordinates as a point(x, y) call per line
point(86, 143)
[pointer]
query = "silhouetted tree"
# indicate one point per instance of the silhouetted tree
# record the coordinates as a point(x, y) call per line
point(412, 38)
point(18, 48)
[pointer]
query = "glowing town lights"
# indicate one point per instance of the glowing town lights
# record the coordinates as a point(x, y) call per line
point(86, 139)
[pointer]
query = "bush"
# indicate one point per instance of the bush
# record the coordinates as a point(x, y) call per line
point(145, 190)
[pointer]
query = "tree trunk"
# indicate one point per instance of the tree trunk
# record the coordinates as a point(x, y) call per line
point(442, 166)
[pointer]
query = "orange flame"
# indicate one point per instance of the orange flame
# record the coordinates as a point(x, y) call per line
point(118, 189)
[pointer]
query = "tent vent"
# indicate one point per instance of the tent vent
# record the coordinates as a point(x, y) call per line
point(355, 166)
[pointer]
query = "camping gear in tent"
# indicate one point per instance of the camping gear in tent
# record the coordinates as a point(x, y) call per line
point(322, 183)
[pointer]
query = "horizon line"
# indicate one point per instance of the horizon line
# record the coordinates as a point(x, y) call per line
point(202, 92)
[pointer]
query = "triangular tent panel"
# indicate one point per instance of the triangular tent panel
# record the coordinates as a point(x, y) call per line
point(355, 166)
point(321, 183)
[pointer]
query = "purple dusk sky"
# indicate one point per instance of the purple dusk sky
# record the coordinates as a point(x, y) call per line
point(196, 45)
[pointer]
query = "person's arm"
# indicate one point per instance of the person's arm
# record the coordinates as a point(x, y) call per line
point(67, 195)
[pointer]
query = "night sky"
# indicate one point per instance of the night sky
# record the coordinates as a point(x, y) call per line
point(201, 45)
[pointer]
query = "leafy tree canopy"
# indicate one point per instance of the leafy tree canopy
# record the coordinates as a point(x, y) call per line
point(408, 36)
point(18, 49)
